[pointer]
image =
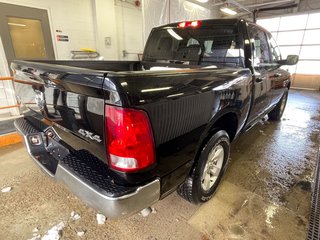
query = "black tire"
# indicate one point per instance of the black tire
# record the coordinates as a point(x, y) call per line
point(192, 189)
point(277, 112)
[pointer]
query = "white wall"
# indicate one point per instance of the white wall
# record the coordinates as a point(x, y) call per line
point(87, 23)
point(73, 17)
point(6, 89)
point(130, 37)
point(105, 27)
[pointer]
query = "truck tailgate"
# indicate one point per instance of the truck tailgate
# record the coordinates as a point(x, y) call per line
point(68, 99)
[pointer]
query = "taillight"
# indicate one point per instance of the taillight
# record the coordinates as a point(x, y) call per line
point(130, 144)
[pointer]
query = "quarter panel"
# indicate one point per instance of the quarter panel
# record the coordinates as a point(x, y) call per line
point(182, 106)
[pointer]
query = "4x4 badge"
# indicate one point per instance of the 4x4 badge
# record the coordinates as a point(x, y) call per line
point(90, 135)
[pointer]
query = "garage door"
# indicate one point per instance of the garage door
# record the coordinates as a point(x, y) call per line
point(299, 34)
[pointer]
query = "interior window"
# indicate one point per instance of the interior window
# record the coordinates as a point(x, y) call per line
point(260, 45)
point(218, 45)
point(192, 41)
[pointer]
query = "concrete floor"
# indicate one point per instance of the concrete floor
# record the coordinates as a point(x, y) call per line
point(265, 194)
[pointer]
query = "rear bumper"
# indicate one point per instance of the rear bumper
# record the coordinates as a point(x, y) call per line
point(86, 176)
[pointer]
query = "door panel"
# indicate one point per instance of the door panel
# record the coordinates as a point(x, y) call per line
point(25, 33)
point(279, 78)
point(261, 63)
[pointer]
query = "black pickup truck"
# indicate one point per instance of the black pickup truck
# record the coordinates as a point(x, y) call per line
point(122, 135)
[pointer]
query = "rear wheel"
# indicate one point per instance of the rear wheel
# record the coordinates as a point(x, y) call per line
point(277, 112)
point(206, 175)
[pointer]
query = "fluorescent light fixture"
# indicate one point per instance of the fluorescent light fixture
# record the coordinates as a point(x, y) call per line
point(175, 95)
point(202, 1)
point(174, 34)
point(17, 24)
point(228, 11)
point(155, 89)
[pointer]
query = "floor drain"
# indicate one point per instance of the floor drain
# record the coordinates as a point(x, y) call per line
point(314, 222)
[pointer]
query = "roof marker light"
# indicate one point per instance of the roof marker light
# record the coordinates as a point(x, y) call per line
point(182, 25)
point(195, 24)
point(192, 24)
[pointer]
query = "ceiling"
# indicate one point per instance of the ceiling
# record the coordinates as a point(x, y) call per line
point(263, 8)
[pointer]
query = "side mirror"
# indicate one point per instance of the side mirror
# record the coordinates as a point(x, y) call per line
point(291, 60)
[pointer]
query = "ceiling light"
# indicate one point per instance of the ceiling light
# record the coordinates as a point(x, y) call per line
point(228, 11)
point(17, 24)
point(202, 1)
point(155, 89)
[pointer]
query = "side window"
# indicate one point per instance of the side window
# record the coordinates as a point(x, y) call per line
point(259, 42)
point(275, 51)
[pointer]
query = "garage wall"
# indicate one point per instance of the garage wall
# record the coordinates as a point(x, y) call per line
point(130, 37)
point(89, 24)
point(105, 28)
point(73, 17)
point(7, 97)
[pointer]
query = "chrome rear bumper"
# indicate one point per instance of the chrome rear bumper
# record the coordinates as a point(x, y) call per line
point(101, 193)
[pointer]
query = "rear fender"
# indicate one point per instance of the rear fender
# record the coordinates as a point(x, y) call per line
point(213, 127)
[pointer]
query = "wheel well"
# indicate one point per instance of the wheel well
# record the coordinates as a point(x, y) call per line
point(229, 123)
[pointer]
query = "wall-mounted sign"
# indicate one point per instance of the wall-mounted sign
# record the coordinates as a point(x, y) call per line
point(62, 38)
point(107, 41)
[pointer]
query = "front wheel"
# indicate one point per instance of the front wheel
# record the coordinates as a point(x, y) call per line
point(207, 173)
point(277, 112)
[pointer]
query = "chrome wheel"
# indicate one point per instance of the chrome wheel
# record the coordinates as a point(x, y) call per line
point(212, 168)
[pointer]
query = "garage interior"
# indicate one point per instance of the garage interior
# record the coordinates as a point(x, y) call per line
point(271, 187)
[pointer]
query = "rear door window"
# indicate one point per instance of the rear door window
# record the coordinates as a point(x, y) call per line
point(259, 44)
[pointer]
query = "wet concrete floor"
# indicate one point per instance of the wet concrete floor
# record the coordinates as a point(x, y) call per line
point(265, 194)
